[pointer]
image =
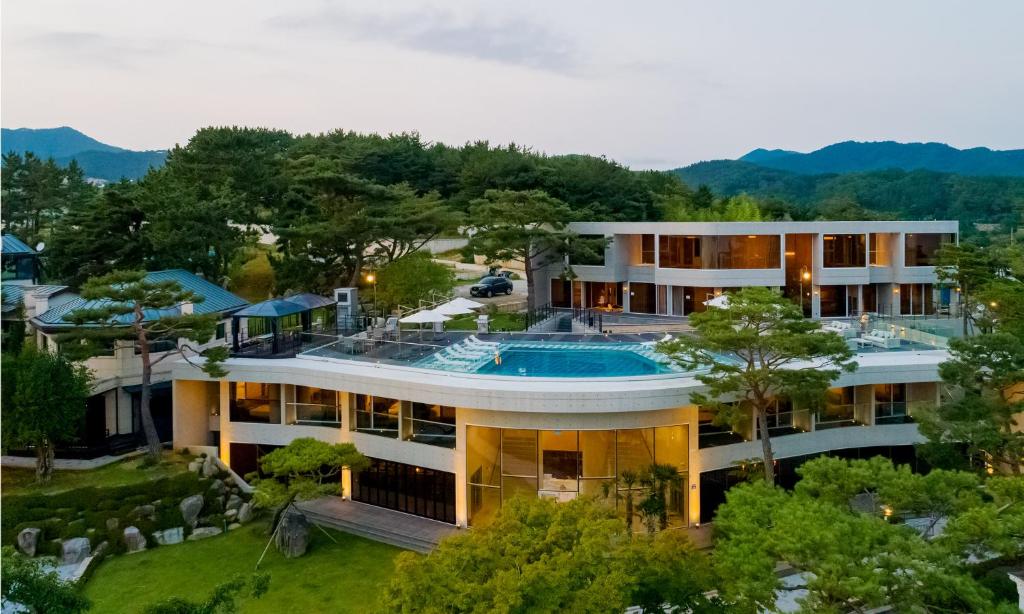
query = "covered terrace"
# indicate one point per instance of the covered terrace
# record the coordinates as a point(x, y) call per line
point(281, 327)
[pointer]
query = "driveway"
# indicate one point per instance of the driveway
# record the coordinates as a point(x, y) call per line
point(518, 293)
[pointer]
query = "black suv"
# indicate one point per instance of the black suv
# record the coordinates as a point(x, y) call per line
point(489, 286)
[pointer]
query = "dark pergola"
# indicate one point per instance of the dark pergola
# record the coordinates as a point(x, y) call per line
point(273, 311)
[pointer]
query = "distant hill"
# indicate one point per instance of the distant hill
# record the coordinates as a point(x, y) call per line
point(916, 194)
point(854, 156)
point(98, 160)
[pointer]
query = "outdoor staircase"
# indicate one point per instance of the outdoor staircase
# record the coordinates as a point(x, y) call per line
point(379, 524)
point(564, 324)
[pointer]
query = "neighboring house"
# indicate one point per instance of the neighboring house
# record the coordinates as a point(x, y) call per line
point(20, 284)
point(112, 420)
point(20, 262)
point(834, 269)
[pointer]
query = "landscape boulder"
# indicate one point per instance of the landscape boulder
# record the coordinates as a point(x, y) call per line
point(169, 537)
point(204, 532)
point(75, 550)
point(134, 540)
point(234, 502)
point(293, 535)
point(195, 466)
point(218, 487)
point(245, 513)
point(190, 508)
point(28, 539)
point(210, 468)
point(144, 511)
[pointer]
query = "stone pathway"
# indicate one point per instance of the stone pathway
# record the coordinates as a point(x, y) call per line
point(73, 464)
point(377, 523)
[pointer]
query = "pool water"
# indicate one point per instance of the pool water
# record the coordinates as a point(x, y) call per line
point(562, 360)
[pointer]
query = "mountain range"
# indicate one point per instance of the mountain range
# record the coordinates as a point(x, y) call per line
point(854, 156)
point(98, 160)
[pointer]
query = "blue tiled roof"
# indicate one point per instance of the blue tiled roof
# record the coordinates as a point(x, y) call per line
point(12, 295)
point(217, 300)
point(14, 245)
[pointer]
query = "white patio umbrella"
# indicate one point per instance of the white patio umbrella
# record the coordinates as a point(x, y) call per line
point(451, 309)
point(721, 301)
point(464, 303)
point(427, 316)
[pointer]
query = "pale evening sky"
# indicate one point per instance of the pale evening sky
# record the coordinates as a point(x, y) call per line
point(651, 84)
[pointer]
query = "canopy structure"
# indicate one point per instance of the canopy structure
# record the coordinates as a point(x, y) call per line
point(278, 326)
point(721, 301)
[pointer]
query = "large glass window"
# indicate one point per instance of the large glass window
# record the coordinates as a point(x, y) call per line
point(431, 424)
point(316, 406)
point(255, 402)
point(502, 463)
point(597, 259)
point(646, 249)
point(891, 404)
point(878, 249)
point(559, 464)
point(844, 250)
point(922, 249)
point(407, 488)
point(839, 408)
point(375, 415)
point(719, 252)
point(917, 299)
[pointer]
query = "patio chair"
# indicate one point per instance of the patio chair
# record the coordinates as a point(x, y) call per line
point(884, 339)
point(391, 327)
point(841, 328)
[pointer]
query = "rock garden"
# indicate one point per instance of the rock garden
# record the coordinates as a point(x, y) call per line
point(79, 526)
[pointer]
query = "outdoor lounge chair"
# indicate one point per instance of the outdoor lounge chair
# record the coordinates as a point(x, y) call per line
point(841, 328)
point(882, 338)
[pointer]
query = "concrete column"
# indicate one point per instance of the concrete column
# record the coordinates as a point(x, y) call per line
point(461, 499)
point(225, 422)
point(815, 302)
point(693, 465)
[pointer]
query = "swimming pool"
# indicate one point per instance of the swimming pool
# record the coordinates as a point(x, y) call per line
point(538, 359)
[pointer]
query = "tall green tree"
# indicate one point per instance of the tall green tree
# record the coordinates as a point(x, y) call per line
point(758, 349)
point(542, 556)
point(970, 268)
point(41, 590)
point(528, 226)
point(854, 556)
point(127, 303)
point(414, 277)
point(44, 398)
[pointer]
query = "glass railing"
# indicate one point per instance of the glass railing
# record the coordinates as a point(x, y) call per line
point(430, 432)
point(837, 416)
point(317, 414)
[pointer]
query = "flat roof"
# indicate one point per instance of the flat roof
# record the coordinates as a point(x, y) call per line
point(778, 227)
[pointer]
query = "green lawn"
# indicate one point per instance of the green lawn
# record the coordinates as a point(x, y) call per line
point(16, 481)
point(343, 577)
point(499, 322)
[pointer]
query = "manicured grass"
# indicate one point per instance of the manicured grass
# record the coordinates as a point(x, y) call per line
point(332, 577)
point(16, 481)
point(499, 322)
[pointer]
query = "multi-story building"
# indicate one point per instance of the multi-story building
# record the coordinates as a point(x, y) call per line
point(458, 423)
point(834, 269)
point(112, 421)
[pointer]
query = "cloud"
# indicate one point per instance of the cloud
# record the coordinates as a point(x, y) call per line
point(95, 49)
point(516, 41)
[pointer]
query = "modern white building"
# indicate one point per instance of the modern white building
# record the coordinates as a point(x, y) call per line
point(457, 423)
point(835, 269)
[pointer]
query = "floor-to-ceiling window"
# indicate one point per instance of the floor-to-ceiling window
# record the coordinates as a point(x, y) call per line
point(839, 409)
point(430, 424)
point(316, 406)
point(564, 464)
point(375, 415)
point(255, 402)
point(844, 250)
point(922, 248)
point(891, 404)
point(642, 298)
point(406, 488)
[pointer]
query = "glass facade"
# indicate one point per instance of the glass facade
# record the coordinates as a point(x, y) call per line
point(255, 402)
point(839, 408)
point(719, 252)
point(316, 406)
point(917, 299)
point(844, 251)
point(646, 249)
point(891, 404)
point(407, 488)
point(375, 415)
point(430, 424)
point(564, 464)
point(922, 249)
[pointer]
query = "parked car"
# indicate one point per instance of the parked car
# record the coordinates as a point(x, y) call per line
point(489, 286)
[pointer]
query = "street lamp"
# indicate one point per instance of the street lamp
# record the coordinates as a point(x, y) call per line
point(372, 279)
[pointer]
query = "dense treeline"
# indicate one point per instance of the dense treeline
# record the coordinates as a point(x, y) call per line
point(338, 202)
point(878, 194)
